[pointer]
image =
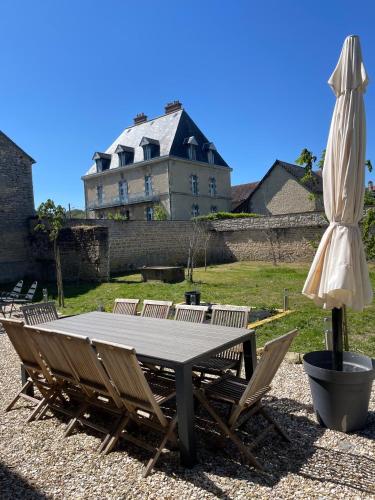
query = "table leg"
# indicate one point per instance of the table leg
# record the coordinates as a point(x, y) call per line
point(250, 356)
point(185, 415)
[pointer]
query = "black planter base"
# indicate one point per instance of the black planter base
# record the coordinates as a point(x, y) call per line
point(340, 399)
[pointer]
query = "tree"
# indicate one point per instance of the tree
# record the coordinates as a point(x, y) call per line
point(322, 159)
point(160, 213)
point(51, 220)
point(194, 245)
point(306, 159)
point(368, 164)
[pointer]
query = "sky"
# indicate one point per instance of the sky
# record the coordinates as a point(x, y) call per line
point(251, 73)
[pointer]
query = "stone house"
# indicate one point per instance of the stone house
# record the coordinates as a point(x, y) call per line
point(16, 208)
point(163, 161)
point(282, 191)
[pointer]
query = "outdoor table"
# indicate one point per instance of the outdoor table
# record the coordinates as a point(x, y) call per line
point(173, 344)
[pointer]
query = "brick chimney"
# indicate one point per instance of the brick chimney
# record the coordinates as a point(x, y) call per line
point(172, 106)
point(140, 118)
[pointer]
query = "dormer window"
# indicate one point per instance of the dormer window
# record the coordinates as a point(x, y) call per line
point(125, 155)
point(210, 148)
point(151, 148)
point(191, 144)
point(103, 161)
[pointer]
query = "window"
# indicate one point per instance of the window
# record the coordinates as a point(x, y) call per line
point(99, 194)
point(192, 152)
point(123, 190)
point(195, 210)
point(213, 209)
point(194, 184)
point(151, 148)
point(125, 155)
point(102, 161)
point(149, 213)
point(212, 186)
point(211, 156)
point(148, 185)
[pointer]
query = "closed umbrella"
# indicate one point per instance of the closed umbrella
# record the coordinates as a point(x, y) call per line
point(339, 274)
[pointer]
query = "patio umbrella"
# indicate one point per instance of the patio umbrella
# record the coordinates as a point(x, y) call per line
point(339, 274)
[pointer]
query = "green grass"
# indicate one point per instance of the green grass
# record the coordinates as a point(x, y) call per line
point(242, 283)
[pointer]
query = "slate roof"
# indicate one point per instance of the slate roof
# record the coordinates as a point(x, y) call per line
point(169, 130)
point(241, 192)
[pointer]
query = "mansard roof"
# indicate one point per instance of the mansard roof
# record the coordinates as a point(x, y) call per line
point(169, 131)
point(8, 139)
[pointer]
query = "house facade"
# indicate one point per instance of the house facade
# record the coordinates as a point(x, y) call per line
point(16, 208)
point(283, 190)
point(166, 161)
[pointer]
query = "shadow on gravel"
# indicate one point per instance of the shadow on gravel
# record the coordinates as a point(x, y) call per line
point(301, 457)
point(13, 486)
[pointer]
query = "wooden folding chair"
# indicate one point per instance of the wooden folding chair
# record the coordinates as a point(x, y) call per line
point(245, 397)
point(72, 359)
point(156, 309)
point(192, 314)
point(139, 395)
point(230, 359)
point(33, 364)
point(126, 306)
point(34, 314)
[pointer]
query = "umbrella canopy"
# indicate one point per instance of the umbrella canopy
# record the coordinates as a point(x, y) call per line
point(339, 275)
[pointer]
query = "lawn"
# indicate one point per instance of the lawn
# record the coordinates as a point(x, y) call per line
point(243, 283)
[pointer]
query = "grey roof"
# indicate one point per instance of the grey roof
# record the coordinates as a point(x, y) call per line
point(241, 192)
point(169, 130)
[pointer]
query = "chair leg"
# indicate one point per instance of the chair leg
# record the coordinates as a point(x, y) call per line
point(228, 432)
point(155, 458)
point(272, 421)
point(74, 421)
point(26, 386)
point(111, 439)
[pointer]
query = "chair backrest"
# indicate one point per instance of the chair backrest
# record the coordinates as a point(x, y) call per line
point(34, 314)
point(48, 345)
point(123, 367)
point(126, 306)
point(156, 309)
point(30, 294)
point(85, 365)
point(272, 356)
point(24, 346)
point(15, 293)
point(234, 316)
point(192, 314)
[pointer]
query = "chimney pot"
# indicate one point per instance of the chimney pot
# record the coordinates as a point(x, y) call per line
point(172, 106)
point(140, 118)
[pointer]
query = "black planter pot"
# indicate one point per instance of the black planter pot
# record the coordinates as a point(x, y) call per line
point(340, 399)
point(193, 298)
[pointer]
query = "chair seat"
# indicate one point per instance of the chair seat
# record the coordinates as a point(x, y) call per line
point(162, 388)
point(215, 365)
point(230, 389)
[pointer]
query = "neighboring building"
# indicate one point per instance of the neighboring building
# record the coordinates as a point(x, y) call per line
point(282, 191)
point(165, 161)
point(371, 188)
point(16, 208)
point(240, 195)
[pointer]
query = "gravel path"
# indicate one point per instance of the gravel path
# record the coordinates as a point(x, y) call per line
point(37, 463)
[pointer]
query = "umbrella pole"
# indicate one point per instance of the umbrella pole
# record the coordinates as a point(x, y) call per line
point(337, 339)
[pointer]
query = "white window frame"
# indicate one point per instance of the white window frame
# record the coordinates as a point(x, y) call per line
point(123, 189)
point(212, 186)
point(211, 157)
point(148, 185)
point(192, 152)
point(149, 213)
point(99, 194)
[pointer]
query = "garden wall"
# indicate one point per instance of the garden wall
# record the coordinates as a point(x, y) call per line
point(283, 238)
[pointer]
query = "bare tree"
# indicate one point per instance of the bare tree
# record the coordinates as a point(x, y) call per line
point(194, 246)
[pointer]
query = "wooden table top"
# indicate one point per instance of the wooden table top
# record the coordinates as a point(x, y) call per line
point(171, 342)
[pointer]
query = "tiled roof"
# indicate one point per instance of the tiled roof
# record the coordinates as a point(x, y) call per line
point(241, 192)
point(169, 131)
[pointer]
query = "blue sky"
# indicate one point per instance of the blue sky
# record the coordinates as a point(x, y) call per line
point(252, 74)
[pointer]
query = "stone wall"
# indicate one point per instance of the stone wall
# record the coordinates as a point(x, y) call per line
point(16, 207)
point(84, 253)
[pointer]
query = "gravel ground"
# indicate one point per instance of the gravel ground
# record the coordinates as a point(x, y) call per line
point(37, 463)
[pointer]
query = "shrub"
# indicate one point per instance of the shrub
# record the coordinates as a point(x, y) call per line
point(225, 215)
